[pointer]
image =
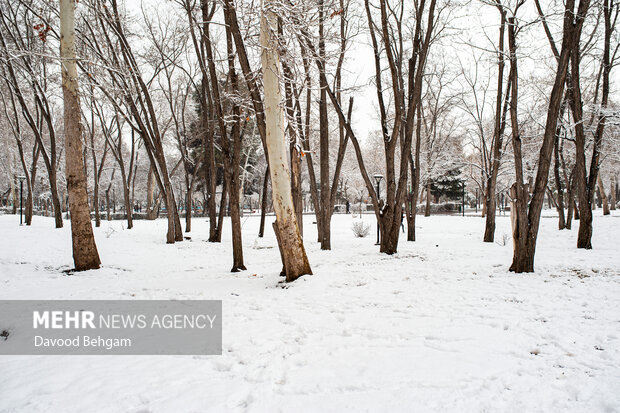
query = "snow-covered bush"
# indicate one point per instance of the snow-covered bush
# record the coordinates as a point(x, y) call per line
point(503, 240)
point(360, 229)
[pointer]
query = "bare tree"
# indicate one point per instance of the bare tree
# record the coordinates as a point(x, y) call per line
point(30, 172)
point(85, 255)
point(124, 72)
point(498, 130)
point(26, 75)
point(291, 246)
point(587, 180)
point(525, 212)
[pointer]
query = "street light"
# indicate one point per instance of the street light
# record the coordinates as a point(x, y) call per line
point(378, 178)
point(21, 196)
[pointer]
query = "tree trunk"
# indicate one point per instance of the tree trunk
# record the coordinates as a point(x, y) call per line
point(296, 186)
point(576, 210)
point(188, 209)
point(601, 188)
point(107, 204)
point(523, 253)
point(489, 230)
point(96, 200)
point(523, 256)
point(263, 205)
point(128, 206)
point(126, 198)
point(586, 182)
point(233, 160)
point(96, 169)
point(172, 211)
point(569, 212)
point(614, 190)
point(585, 196)
point(29, 208)
point(211, 180)
point(324, 144)
point(558, 183)
point(30, 181)
point(13, 194)
point(222, 211)
point(151, 211)
point(30, 178)
point(235, 216)
point(528, 219)
point(55, 198)
point(85, 255)
point(414, 164)
point(289, 240)
point(427, 210)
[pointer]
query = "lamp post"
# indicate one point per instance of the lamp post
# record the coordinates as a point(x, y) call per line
point(476, 200)
point(21, 197)
point(378, 178)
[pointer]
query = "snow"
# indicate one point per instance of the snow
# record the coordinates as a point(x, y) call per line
point(440, 326)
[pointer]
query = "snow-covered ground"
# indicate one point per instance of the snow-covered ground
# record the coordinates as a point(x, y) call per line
point(441, 326)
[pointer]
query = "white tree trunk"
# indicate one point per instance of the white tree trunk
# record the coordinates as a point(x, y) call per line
point(287, 231)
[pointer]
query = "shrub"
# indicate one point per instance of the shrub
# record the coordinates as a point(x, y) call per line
point(360, 229)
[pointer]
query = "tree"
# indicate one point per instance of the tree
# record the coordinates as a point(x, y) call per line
point(406, 100)
point(198, 33)
point(26, 76)
point(498, 130)
point(98, 164)
point(526, 213)
point(587, 180)
point(13, 119)
point(85, 255)
point(291, 246)
point(134, 100)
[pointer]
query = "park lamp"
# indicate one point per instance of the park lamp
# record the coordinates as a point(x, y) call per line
point(378, 178)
